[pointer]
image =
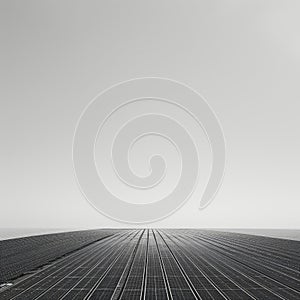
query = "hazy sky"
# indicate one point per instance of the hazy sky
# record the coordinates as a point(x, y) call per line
point(243, 56)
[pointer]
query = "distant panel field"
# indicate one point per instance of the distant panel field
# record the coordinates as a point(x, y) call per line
point(21, 255)
point(168, 264)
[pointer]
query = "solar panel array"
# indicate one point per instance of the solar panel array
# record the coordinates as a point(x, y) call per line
point(169, 264)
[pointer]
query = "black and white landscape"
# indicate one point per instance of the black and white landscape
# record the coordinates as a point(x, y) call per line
point(117, 117)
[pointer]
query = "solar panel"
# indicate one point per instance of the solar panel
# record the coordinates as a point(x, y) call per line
point(159, 264)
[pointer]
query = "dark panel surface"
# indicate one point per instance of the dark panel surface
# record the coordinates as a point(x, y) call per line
point(21, 255)
point(169, 264)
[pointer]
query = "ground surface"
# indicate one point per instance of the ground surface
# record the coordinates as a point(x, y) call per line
point(169, 264)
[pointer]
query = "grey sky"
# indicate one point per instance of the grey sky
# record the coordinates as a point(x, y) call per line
point(243, 56)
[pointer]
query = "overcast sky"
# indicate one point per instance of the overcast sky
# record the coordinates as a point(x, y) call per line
point(243, 56)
